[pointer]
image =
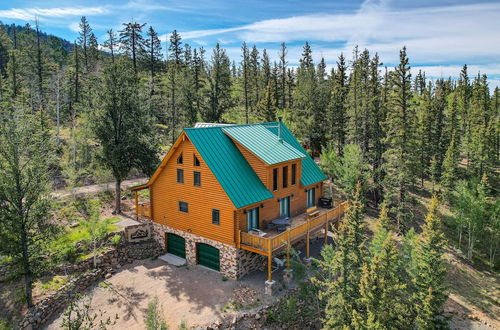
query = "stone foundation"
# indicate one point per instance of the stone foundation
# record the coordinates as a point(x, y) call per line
point(234, 263)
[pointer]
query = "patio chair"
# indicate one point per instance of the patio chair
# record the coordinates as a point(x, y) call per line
point(281, 228)
point(270, 226)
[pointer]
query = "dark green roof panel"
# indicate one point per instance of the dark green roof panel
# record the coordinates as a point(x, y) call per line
point(263, 143)
point(229, 166)
point(311, 173)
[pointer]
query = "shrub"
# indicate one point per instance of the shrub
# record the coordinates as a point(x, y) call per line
point(116, 239)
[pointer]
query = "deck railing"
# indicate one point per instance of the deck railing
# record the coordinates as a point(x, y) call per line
point(144, 210)
point(267, 244)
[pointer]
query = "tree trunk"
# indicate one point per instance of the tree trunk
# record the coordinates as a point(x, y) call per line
point(118, 197)
point(26, 269)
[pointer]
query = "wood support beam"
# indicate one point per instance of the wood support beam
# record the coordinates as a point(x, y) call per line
point(269, 261)
point(308, 236)
point(136, 197)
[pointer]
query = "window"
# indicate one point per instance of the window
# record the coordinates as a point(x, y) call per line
point(294, 173)
point(196, 161)
point(311, 200)
point(285, 176)
point(183, 207)
point(275, 179)
point(215, 217)
point(197, 179)
point(253, 219)
point(285, 206)
point(180, 175)
point(179, 159)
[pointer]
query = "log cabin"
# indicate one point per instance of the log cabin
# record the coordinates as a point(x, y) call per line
point(228, 197)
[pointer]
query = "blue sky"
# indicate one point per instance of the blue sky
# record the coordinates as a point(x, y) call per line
point(441, 35)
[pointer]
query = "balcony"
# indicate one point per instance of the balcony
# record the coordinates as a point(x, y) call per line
point(301, 226)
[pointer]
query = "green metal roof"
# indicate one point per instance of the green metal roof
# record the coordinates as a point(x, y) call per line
point(229, 166)
point(311, 173)
point(263, 143)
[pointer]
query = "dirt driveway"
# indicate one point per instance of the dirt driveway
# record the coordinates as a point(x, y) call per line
point(192, 294)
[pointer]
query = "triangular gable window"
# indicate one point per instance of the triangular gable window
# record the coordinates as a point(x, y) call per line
point(179, 159)
point(196, 161)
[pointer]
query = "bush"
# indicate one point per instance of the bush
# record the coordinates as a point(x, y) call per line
point(116, 239)
point(68, 253)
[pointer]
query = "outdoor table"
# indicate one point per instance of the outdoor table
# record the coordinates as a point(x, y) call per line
point(281, 222)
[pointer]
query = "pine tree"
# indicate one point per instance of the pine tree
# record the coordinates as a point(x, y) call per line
point(341, 267)
point(25, 225)
point(153, 49)
point(218, 91)
point(283, 63)
point(337, 105)
point(305, 96)
point(122, 126)
point(430, 292)
point(246, 70)
point(382, 292)
point(400, 154)
point(132, 42)
point(452, 156)
point(84, 39)
point(110, 44)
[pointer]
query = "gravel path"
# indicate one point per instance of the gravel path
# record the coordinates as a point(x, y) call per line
point(95, 188)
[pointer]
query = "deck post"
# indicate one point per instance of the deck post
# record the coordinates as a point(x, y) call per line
point(269, 261)
point(288, 248)
point(308, 235)
point(326, 230)
point(136, 198)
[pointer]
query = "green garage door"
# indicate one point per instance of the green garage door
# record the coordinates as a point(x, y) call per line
point(176, 245)
point(208, 256)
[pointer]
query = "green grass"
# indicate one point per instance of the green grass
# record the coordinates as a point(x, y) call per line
point(52, 284)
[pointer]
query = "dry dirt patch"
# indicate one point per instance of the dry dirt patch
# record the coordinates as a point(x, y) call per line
point(191, 293)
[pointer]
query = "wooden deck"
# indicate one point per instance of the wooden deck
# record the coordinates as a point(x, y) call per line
point(301, 226)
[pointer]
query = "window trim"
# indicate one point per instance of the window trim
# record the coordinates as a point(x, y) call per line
point(294, 175)
point(214, 212)
point(179, 207)
point(284, 178)
point(275, 178)
point(181, 171)
point(199, 178)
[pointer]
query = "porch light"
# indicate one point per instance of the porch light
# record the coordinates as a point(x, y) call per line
point(261, 206)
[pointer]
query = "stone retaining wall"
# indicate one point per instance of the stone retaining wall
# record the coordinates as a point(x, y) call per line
point(107, 263)
point(44, 309)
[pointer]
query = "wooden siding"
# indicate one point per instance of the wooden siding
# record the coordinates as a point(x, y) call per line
point(258, 165)
point(166, 193)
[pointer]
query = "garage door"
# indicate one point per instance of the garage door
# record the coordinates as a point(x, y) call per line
point(208, 256)
point(176, 245)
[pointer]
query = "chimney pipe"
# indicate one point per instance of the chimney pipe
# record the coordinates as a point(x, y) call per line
point(279, 129)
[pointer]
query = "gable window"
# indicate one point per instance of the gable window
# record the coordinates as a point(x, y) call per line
point(179, 159)
point(196, 161)
point(197, 179)
point(275, 179)
point(285, 176)
point(294, 173)
point(215, 217)
point(183, 207)
point(180, 175)
point(253, 219)
point(311, 199)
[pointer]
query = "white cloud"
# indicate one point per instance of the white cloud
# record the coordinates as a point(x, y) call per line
point(31, 13)
point(432, 34)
